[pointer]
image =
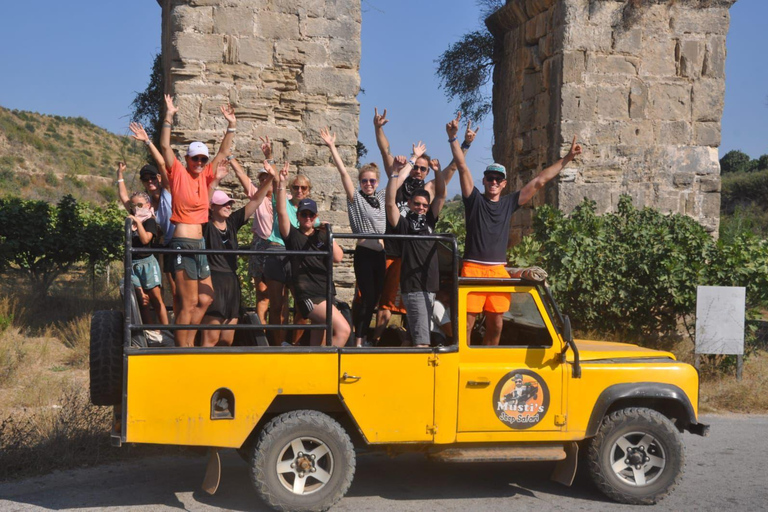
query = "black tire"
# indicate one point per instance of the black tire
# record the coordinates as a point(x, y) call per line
point(637, 456)
point(107, 357)
point(290, 489)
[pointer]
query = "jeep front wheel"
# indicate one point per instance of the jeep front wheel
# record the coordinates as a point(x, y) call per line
point(637, 456)
point(303, 461)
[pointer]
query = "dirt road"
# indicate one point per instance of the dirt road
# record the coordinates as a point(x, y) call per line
point(723, 471)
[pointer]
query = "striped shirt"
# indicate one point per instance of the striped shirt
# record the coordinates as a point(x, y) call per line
point(364, 218)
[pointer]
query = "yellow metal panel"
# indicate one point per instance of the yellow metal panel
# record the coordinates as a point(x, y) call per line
point(503, 437)
point(585, 391)
point(392, 401)
point(446, 397)
point(169, 396)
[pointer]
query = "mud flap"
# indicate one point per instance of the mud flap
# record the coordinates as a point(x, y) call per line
point(212, 477)
point(565, 470)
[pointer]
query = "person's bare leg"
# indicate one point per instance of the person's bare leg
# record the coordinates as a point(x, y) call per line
point(228, 336)
point(493, 325)
point(262, 301)
point(341, 329)
point(156, 299)
point(186, 296)
point(382, 319)
point(275, 291)
point(470, 325)
point(211, 338)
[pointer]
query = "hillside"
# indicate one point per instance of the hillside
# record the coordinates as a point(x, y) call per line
point(45, 157)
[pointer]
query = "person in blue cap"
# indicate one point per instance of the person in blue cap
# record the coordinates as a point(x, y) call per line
point(309, 275)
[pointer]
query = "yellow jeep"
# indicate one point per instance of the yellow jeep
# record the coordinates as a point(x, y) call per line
point(297, 414)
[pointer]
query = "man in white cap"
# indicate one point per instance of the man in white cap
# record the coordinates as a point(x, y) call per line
point(488, 218)
point(189, 188)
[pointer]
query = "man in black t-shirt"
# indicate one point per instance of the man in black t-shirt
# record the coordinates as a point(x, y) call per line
point(488, 218)
point(419, 274)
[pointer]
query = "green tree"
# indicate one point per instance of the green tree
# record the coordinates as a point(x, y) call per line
point(762, 163)
point(147, 105)
point(735, 161)
point(43, 241)
point(467, 66)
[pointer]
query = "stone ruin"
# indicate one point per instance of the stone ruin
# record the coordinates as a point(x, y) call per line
point(641, 83)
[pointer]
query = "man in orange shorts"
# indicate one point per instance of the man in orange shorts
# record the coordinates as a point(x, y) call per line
point(488, 217)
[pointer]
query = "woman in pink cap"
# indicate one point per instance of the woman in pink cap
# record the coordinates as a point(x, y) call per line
point(220, 232)
point(189, 188)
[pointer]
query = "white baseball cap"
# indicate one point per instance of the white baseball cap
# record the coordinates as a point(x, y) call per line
point(197, 148)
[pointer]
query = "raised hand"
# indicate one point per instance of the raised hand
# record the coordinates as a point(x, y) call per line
point(222, 169)
point(434, 164)
point(266, 147)
point(328, 137)
point(271, 170)
point(399, 163)
point(419, 149)
point(452, 128)
point(379, 120)
point(229, 114)
point(575, 149)
point(170, 109)
point(283, 176)
point(120, 169)
point(138, 132)
point(469, 135)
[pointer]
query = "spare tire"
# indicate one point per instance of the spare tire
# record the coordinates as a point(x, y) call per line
point(107, 357)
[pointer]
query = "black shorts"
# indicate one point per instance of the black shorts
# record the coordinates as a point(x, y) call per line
point(226, 296)
point(305, 305)
point(277, 268)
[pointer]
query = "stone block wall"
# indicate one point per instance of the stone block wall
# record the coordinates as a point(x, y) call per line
point(289, 68)
point(641, 84)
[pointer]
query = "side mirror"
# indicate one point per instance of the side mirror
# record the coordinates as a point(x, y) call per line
point(567, 334)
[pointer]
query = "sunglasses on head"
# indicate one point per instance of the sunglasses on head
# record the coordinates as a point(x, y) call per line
point(371, 181)
point(494, 178)
point(306, 214)
point(299, 187)
point(420, 168)
point(199, 158)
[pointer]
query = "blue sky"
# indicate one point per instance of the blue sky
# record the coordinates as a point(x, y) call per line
point(88, 58)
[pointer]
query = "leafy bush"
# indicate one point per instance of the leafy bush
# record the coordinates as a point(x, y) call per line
point(635, 271)
point(740, 189)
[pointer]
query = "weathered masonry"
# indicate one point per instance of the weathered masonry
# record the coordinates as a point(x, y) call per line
point(289, 67)
point(640, 82)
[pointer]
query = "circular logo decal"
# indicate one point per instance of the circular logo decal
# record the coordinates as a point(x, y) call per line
point(521, 399)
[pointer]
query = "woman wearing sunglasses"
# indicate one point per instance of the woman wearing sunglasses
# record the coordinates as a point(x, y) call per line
point(189, 188)
point(365, 207)
point(309, 275)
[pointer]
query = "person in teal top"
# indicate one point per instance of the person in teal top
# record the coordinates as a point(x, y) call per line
point(276, 268)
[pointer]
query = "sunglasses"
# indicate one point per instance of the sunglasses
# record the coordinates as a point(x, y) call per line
point(306, 214)
point(300, 187)
point(199, 159)
point(420, 168)
point(420, 205)
point(149, 179)
point(369, 181)
point(494, 179)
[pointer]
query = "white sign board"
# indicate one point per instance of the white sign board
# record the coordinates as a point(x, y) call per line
point(720, 319)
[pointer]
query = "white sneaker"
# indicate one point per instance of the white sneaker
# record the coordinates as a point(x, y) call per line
point(153, 336)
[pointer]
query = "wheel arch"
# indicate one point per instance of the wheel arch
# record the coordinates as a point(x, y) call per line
point(667, 399)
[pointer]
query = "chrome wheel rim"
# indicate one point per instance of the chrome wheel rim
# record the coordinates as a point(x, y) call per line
point(305, 465)
point(637, 459)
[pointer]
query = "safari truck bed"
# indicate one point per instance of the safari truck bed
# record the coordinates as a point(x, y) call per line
point(298, 414)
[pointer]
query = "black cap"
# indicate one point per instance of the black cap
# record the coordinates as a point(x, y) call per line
point(148, 171)
point(307, 204)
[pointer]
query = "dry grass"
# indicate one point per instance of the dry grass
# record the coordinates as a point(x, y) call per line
point(721, 393)
point(75, 335)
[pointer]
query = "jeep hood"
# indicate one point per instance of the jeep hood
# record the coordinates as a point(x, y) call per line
point(597, 350)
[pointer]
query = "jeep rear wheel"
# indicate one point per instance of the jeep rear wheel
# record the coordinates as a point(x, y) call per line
point(637, 456)
point(106, 357)
point(303, 461)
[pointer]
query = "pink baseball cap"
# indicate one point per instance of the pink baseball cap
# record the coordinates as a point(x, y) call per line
point(221, 198)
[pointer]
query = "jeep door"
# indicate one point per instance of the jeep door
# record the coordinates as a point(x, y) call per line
point(514, 389)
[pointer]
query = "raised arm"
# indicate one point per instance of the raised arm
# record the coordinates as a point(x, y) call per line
point(165, 135)
point(141, 135)
point(221, 172)
point(401, 167)
point(469, 138)
point(242, 176)
point(346, 181)
point(537, 183)
point(465, 177)
point(122, 191)
point(381, 140)
point(283, 221)
point(440, 192)
point(226, 143)
point(257, 197)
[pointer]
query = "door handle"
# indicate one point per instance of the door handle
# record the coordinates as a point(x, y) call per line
point(347, 376)
point(478, 383)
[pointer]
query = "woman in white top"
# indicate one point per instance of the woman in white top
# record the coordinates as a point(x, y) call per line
point(367, 214)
